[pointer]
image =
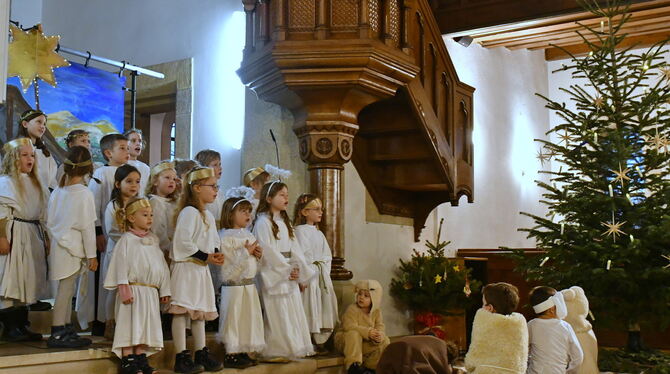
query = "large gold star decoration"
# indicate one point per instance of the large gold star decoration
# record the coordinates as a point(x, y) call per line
point(665, 73)
point(613, 228)
point(598, 101)
point(621, 175)
point(33, 55)
point(438, 279)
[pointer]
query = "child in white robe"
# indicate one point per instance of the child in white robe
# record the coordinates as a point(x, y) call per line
point(282, 268)
point(241, 317)
point(23, 262)
point(114, 149)
point(71, 224)
point(33, 126)
point(318, 297)
point(255, 179)
point(135, 147)
point(195, 244)
point(162, 194)
point(126, 186)
point(554, 348)
point(78, 138)
point(140, 274)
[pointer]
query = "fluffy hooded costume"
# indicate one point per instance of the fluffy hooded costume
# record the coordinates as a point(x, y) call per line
point(354, 338)
point(499, 344)
point(578, 309)
point(419, 354)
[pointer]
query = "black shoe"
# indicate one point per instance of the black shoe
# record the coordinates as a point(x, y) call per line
point(24, 323)
point(15, 329)
point(62, 338)
point(70, 330)
point(204, 358)
point(143, 364)
point(356, 368)
point(129, 365)
point(40, 306)
point(184, 364)
point(236, 361)
point(253, 361)
point(97, 328)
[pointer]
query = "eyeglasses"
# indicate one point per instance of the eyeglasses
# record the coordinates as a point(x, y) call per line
point(214, 186)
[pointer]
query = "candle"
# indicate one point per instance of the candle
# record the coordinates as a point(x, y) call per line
point(609, 264)
point(611, 190)
point(562, 228)
point(602, 26)
point(544, 261)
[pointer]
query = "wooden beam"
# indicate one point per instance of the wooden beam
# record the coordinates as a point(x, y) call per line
point(642, 41)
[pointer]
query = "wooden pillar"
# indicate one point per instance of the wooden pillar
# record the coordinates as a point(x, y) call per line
point(326, 145)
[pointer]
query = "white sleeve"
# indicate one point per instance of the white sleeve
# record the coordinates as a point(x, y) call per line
point(95, 185)
point(183, 244)
point(112, 230)
point(165, 279)
point(307, 270)
point(327, 254)
point(275, 269)
point(575, 353)
point(118, 266)
point(160, 224)
point(87, 224)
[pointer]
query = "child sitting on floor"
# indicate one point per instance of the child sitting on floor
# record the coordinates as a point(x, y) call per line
point(554, 348)
point(363, 339)
point(499, 336)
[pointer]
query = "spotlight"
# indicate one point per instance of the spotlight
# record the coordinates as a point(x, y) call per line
point(465, 41)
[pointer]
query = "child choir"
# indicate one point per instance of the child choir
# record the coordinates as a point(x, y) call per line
point(133, 244)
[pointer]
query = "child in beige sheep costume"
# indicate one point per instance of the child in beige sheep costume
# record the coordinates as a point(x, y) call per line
point(578, 308)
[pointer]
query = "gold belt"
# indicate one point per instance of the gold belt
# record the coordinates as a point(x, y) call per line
point(143, 285)
point(243, 282)
point(195, 261)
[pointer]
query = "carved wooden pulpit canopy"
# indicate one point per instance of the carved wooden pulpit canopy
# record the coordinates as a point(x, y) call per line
point(369, 81)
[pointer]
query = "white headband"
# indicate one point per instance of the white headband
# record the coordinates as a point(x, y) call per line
point(237, 202)
point(557, 301)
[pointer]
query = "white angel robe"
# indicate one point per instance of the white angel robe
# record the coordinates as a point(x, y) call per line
point(319, 297)
point(215, 208)
point(145, 173)
point(23, 272)
point(102, 185)
point(163, 224)
point(139, 262)
point(47, 169)
point(286, 330)
point(113, 234)
point(192, 290)
point(241, 317)
point(71, 224)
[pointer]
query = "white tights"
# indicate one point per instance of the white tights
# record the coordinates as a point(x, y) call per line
point(179, 332)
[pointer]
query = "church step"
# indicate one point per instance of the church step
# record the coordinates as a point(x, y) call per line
point(36, 358)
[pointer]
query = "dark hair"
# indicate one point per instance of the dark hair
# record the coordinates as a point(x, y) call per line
point(73, 135)
point(28, 116)
point(206, 156)
point(121, 173)
point(108, 142)
point(504, 297)
point(76, 155)
point(539, 295)
point(227, 210)
point(270, 190)
point(183, 166)
point(300, 204)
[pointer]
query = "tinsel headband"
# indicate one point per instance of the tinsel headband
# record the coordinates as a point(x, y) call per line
point(32, 114)
point(161, 167)
point(314, 204)
point(251, 174)
point(198, 174)
point(17, 143)
point(136, 205)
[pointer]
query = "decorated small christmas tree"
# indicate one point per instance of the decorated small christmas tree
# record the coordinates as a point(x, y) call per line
point(608, 226)
point(431, 282)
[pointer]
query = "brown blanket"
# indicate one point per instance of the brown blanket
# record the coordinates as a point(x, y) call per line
point(419, 354)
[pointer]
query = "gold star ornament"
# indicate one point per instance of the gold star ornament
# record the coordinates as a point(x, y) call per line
point(621, 175)
point(542, 157)
point(613, 228)
point(33, 55)
point(438, 279)
point(667, 258)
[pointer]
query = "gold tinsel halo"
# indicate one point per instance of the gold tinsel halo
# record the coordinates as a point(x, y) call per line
point(33, 55)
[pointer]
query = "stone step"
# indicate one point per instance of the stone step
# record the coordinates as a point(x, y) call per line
point(36, 358)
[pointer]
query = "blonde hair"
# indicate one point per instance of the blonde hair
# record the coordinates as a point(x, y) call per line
point(188, 197)
point(156, 172)
point(303, 201)
point(122, 213)
point(11, 166)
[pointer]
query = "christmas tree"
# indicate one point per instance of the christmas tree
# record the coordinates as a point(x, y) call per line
point(608, 226)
